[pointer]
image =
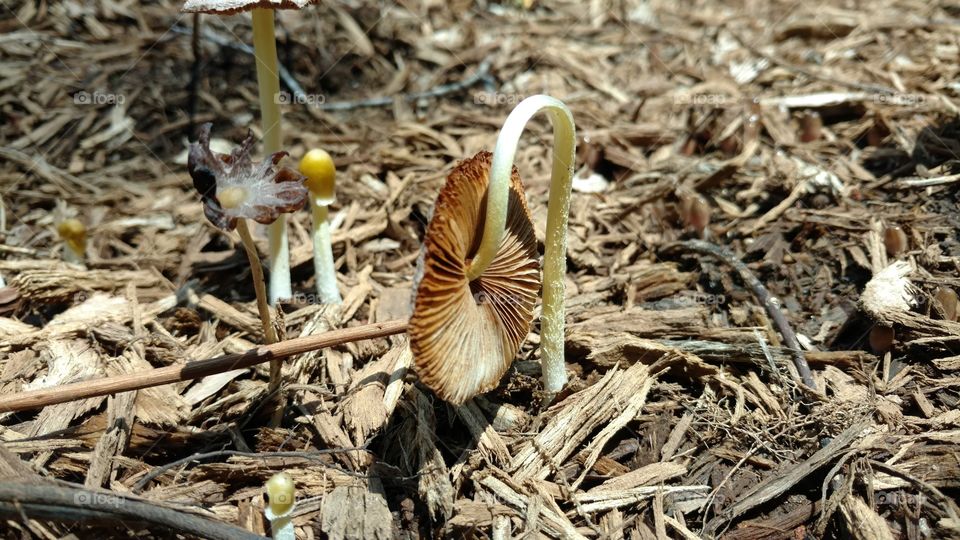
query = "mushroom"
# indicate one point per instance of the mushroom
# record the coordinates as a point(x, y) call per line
point(282, 494)
point(947, 298)
point(895, 240)
point(74, 235)
point(694, 212)
point(317, 166)
point(464, 332)
point(233, 189)
point(268, 83)
point(453, 348)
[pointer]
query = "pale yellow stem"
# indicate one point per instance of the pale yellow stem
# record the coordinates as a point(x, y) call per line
point(269, 332)
point(555, 256)
point(268, 84)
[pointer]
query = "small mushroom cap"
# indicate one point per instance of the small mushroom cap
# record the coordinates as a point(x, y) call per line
point(281, 490)
point(74, 233)
point(464, 334)
point(318, 167)
point(71, 229)
point(229, 7)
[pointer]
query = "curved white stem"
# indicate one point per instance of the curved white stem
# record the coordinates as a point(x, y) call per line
point(268, 84)
point(323, 264)
point(555, 256)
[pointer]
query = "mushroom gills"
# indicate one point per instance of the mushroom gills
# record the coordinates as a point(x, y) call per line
point(465, 334)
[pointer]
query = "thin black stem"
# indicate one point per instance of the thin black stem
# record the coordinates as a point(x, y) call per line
point(67, 502)
point(315, 454)
point(770, 304)
point(195, 73)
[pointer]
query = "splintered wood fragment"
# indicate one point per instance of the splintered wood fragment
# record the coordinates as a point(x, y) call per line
point(760, 529)
point(506, 490)
point(606, 500)
point(434, 485)
point(630, 409)
point(67, 361)
point(114, 439)
point(195, 369)
point(682, 529)
point(59, 282)
point(652, 474)
point(159, 406)
point(229, 314)
point(356, 513)
point(649, 323)
point(12, 467)
point(489, 442)
point(367, 406)
point(471, 514)
point(864, 522)
point(95, 311)
point(578, 417)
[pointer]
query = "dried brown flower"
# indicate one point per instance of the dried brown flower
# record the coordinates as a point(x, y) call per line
point(233, 187)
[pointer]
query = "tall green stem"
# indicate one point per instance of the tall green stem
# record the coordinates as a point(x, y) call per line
point(268, 84)
point(555, 256)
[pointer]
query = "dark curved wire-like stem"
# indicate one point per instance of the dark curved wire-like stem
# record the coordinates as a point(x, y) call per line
point(65, 502)
point(315, 454)
point(764, 297)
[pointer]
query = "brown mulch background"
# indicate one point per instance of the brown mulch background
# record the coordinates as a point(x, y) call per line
point(683, 418)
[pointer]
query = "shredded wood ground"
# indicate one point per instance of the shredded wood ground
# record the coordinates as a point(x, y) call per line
point(792, 134)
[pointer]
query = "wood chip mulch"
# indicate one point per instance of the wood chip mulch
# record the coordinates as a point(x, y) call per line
point(797, 136)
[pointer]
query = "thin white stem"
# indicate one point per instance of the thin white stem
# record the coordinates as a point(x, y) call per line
point(555, 256)
point(281, 527)
point(279, 258)
point(73, 256)
point(323, 264)
point(268, 84)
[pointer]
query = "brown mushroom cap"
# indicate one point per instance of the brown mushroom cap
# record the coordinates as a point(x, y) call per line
point(464, 334)
point(229, 7)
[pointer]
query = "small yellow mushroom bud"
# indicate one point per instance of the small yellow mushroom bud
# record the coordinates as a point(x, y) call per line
point(281, 491)
point(317, 166)
point(74, 235)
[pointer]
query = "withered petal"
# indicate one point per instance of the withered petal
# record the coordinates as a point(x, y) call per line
point(214, 214)
point(271, 190)
point(463, 334)
point(202, 164)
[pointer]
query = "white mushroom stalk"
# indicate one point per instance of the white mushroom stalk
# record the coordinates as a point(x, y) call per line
point(268, 85)
point(555, 256)
point(317, 166)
